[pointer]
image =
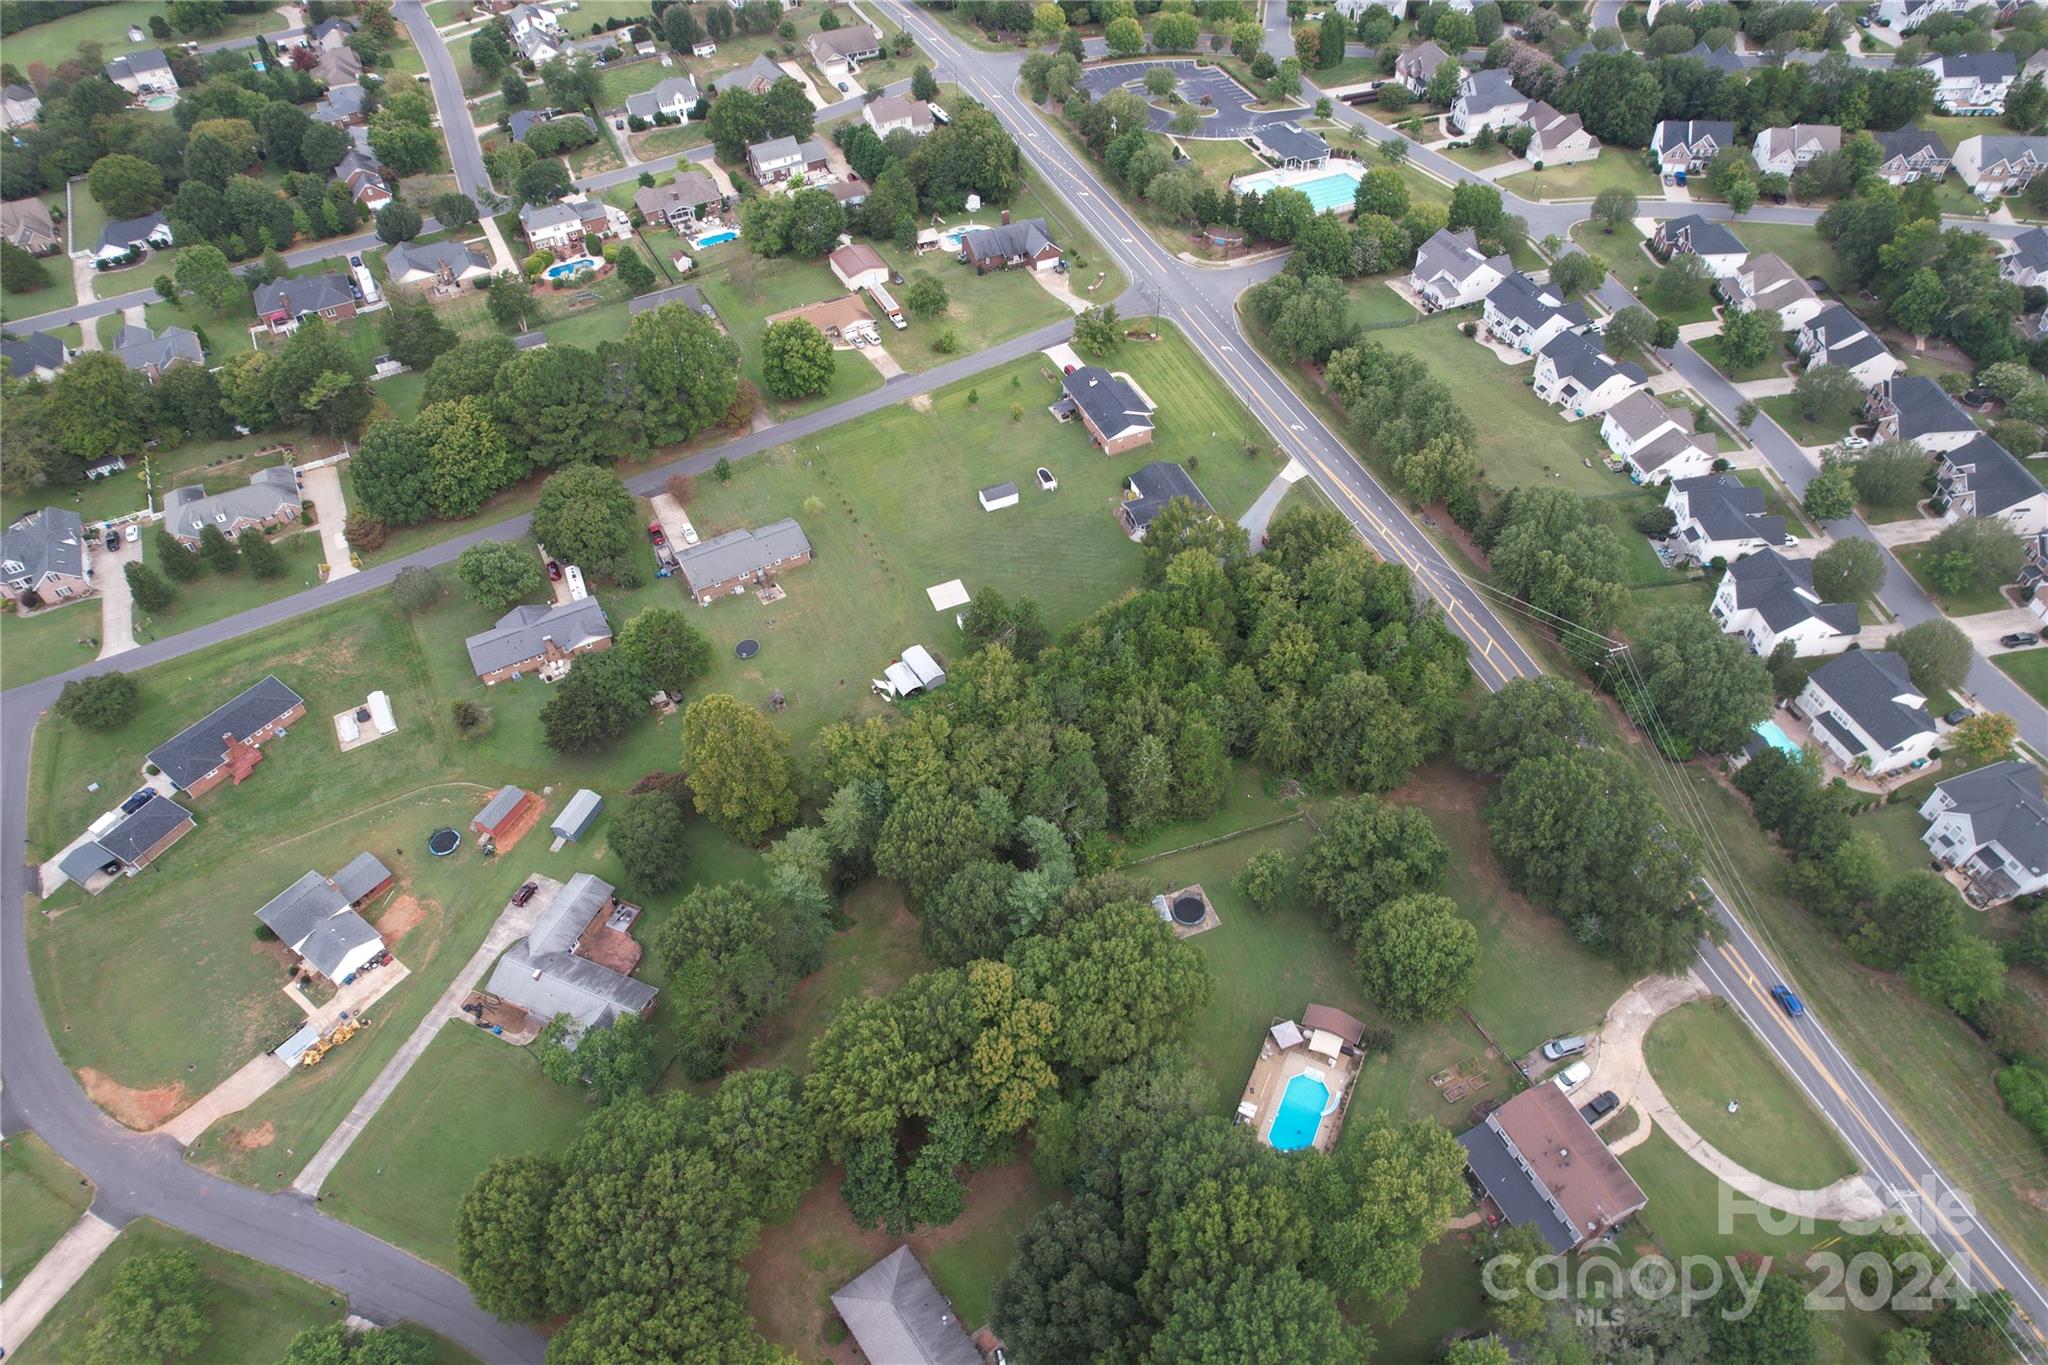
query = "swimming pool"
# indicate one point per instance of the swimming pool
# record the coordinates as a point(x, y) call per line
point(1328, 187)
point(716, 238)
point(159, 103)
point(1301, 1114)
point(562, 270)
point(1770, 733)
point(951, 238)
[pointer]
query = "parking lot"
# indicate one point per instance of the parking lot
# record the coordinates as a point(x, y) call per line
point(1233, 116)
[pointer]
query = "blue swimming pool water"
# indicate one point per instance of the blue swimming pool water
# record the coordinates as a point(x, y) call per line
point(563, 270)
point(1777, 738)
point(716, 238)
point(1333, 190)
point(1301, 1114)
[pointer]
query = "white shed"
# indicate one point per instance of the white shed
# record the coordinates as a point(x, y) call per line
point(917, 671)
point(380, 713)
point(576, 817)
point(998, 496)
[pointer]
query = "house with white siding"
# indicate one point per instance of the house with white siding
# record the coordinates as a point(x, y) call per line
point(1769, 600)
point(1866, 712)
point(1991, 824)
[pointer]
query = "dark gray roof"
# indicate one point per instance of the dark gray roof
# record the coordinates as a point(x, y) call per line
point(1909, 142)
point(133, 64)
point(502, 803)
point(295, 912)
point(37, 350)
point(1576, 356)
point(1454, 255)
point(84, 861)
point(2030, 249)
point(48, 541)
point(648, 103)
point(123, 232)
point(1683, 132)
point(191, 509)
point(1025, 237)
point(525, 121)
point(759, 71)
point(327, 26)
point(198, 749)
point(527, 341)
point(1719, 58)
point(1728, 509)
point(144, 828)
point(1976, 66)
point(522, 633)
point(1110, 403)
point(1155, 485)
point(1522, 299)
point(738, 553)
point(1863, 684)
point(1995, 476)
point(898, 1316)
point(365, 873)
point(1703, 237)
point(1489, 89)
point(140, 349)
point(431, 256)
point(999, 490)
point(1781, 591)
point(1513, 1187)
point(341, 102)
point(18, 93)
point(1995, 148)
point(1290, 143)
point(305, 294)
point(689, 295)
point(2006, 807)
point(1924, 409)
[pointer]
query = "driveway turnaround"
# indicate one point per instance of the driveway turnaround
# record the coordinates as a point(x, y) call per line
point(1205, 87)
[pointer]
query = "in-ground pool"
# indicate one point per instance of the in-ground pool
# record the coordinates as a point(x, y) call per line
point(159, 103)
point(951, 237)
point(562, 270)
point(715, 237)
point(1328, 187)
point(1769, 732)
point(1301, 1114)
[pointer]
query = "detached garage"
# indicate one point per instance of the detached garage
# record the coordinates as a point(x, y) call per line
point(504, 811)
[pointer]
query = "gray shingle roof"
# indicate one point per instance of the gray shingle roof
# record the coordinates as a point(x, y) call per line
point(1453, 256)
point(430, 257)
point(37, 350)
point(135, 65)
point(144, 828)
point(1728, 509)
point(1156, 485)
point(1703, 237)
point(139, 349)
point(850, 41)
point(364, 873)
point(2030, 250)
point(295, 912)
point(198, 749)
point(48, 541)
point(2006, 807)
point(548, 984)
point(1673, 133)
point(1290, 143)
point(1576, 356)
point(1638, 415)
point(305, 294)
point(191, 509)
point(1797, 135)
point(1923, 408)
point(1489, 89)
point(760, 73)
point(1997, 478)
point(1026, 237)
point(1719, 58)
point(525, 121)
point(1864, 684)
point(341, 102)
point(1112, 405)
point(522, 633)
point(648, 103)
point(1781, 591)
point(1910, 142)
point(1976, 66)
point(1653, 455)
point(125, 232)
point(738, 553)
point(898, 1316)
point(689, 295)
point(1524, 300)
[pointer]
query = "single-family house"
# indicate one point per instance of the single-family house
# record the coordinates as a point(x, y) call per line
point(123, 235)
point(44, 553)
point(1768, 600)
point(892, 112)
point(1714, 243)
point(1783, 150)
point(270, 498)
point(895, 1313)
point(1292, 147)
point(1557, 139)
point(26, 223)
point(1836, 336)
point(1992, 826)
point(1689, 144)
point(151, 353)
point(578, 815)
point(123, 842)
point(540, 46)
point(1720, 517)
point(1025, 243)
point(838, 51)
point(1724, 59)
point(673, 98)
point(1541, 1163)
point(143, 73)
point(858, 266)
point(690, 198)
point(707, 48)
point(228, 743)
point(776, 160)
point(411, 264)
point(1526, 315)
point(358, 169)
point(2025, 261)
point(19, 106)
point(2000, 164)
point(1652, 443)
point(1575, 375)
point(282, 303)
point(1416, 67)
point(1769, 283)
point(1149, 490)
point(343, 105)
point(35, 356)
point(524, 121)
point(536, 638)
point(504, 812)
point(1117, 416)
point(724, 566)
point(338, 66)
point(1912, 408)
point(1867, 713)
point(1906, 15)
point(688, 295)
point(851, 191)
point(1971, 82)
point(545, 974)
point(756, 77)
point(527, 19)
point(314, 919)
point(1451, 271)
point(1488, 99)
point(1910, 154)
point(362, 879)
point(1981, 478)
point(330, 34)
point(570, 227)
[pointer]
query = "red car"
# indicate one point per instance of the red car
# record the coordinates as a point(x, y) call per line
point(554, 570)
point(656, 534)
point(525, 893)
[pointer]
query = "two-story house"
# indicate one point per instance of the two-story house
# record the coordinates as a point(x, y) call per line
point(1782, 151)
point(673, 98)
point(1769, 600)
point(1971, 82)
point(692, 197)
point(1866, 712)
point(143, 73)
point(1836, 336)
point(1488, 99)
point(1992, 826)
point(2025, 261)
point(44, 553)
point(1767, 282)
point(1557, 139)
point(1717, 247)
point(1689, 145)
point(777, 160)
point(892, 112)
point(1904, 16)
point(1910, 154)
point(1575, 375)
point(1416, 67)
point(1653, 445)
point(1526, 315)
point(1721, 518)
point(1911, 408)
point(1451, 271)
point(569, 227)
point(1998, 165)
point(1981, 478)
point(840, 51)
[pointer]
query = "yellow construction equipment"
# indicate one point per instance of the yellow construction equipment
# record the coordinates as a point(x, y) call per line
point(345, 1030)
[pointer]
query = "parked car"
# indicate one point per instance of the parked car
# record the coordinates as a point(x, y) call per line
point(1957, 716)
point(1557, 1049)
point(1855, 443)
point(656, 534)
point(554, 570)
point(2019, 639)
point(113, 540)
point(525, 893)
point(1787, 1001)
point(133, 533)
point(1574, 1075)
point(1600, 1106)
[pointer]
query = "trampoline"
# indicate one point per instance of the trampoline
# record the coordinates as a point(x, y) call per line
point(1189, 910)
point(747, 649)
point(443, 842)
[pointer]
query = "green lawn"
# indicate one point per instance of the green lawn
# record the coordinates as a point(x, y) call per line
point(1473, 159)
point(213, 596)
point(658, 142)
point(1621, 252)
point(1704, 1056)
point(618, 80)
point(1968, 603)
point(1614, 168)
point(57, 40)
point(1799, 247)
point(59, 292)
point(49, 642)
point(43, 1197)
point(2028, 668)
point(1784, 410)
point(1221, 158)
point(1770, 367)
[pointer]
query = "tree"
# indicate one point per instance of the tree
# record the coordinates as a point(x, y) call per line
point(1125, 37)
point(1921, 305)
point(648, 835)
point(1850, 570)
point(501, 1236)
point(596, 704)
point(97, 406)
point(468, 458)
point(221, 554)
point(170, 554)
point(497, 573)
point(1748, 338)
point(738, 766)
point(1774, 1327)
point(260, 555)
point(796, 359)
point(1631, 331)
point(614, 1061)
point(584, 515)
point(1693, 686)
point(1614, 207)
point(926, 295)
point(685, 371)
point(203, 272)
point(1984, 737)
point(923, 85)
point(1367, 855)
point(390, 473)
point(1976, 553)
point(1266, 879)
point(105, 701)
point(1277, 1314)
point(1544, 716)
point(551, 403)
point(413, 331)
point(1825, 392)
point(125, 186)
point(20, 273)
point(1418, 958)
point(398, 221)
point(786, 109)
point(1832, 494)
point(1937, 654)
point(666, 649)
point(1098, 332)
point(150, 590)
point(1890, 476)
point(735, 121)
point(156, 1311)
point(1575, 272)
point(510, 301)
point(1381, 191)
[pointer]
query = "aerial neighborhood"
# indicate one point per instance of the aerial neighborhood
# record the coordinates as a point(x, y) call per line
point(977, 682)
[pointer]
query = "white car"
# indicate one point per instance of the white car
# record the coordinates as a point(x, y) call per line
point(1574, 1075)
point(132, 534)
point(1855, 443)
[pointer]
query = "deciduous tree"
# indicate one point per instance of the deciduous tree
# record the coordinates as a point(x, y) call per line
point(738, 766)
point(796, 359)
point(585, 516)
point(1936, 652)
point(1418, 958)
point(497, 573)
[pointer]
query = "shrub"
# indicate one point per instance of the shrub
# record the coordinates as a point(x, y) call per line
point(472, 719)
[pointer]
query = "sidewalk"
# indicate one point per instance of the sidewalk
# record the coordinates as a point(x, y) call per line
point(53, 1277)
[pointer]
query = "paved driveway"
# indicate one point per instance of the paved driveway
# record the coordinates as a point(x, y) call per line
point(117, 608)
point(322, 488)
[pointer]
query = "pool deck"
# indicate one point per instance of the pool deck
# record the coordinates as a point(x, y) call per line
point(1275, 1067)
point(1273, 178)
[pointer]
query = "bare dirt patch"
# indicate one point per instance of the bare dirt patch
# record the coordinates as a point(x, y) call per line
point(141, 1110)
point(403, 914)
point(251, 1139)
point(519, 828)
point(921, 402)
point(274, 950)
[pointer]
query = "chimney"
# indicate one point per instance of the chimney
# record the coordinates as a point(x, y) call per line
point(1006, 217)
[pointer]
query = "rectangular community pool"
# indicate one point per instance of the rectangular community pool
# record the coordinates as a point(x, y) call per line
point(1300, 1114)
point(1329, 187)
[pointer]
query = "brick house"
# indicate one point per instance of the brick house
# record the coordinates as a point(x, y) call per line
point(229, 742)
point(270, 498)
point(44, 553)
point(1117, 416)
point(539, 639)
point(726, 565)
point(281, 304)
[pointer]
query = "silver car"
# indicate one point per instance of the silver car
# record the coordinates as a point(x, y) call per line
point(1557, 1049)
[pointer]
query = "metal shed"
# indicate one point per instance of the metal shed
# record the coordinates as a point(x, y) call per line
point(576, 817)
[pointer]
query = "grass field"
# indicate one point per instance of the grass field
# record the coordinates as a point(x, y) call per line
point(1704, 1056)
point(49, 642)
point(61, 291)
point(1621, 252)
point(1614, 168)
point(57, 40)
point(2028, 668)
point(1799, 247)
point(214, 597)
point(1473, 159)
point(1970, 602)
point(1770, 367)
point(43, 1197)
point(1784, 410)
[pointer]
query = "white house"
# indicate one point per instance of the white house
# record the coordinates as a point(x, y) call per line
point(1575, 375)
point(1557, 139)
point(673, 98)
point(1767, 282)
point(522, 19)
point(891, 112)
point(2025, 261)
point(572, 225)
point(1784, 150)
point(18, 106)
point(777, 159)
point(1999, 165)
point(1867, 713)
point(434, 263)
point(1972, 82)
point(1451, 271)
point(124, 234)
point(1488, 99)
point(1981, 478)
point(839, 51)
point(1992, 826)
point(1909, 154)
point(1769, 600)
point(1717, 246)
point(143, 73)
point(1523, 314)
point(1652, 444)
point(1688, 145)
point(1907, 15)
point(1836, 336)
point(1720, 517)
point(1911, 408)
